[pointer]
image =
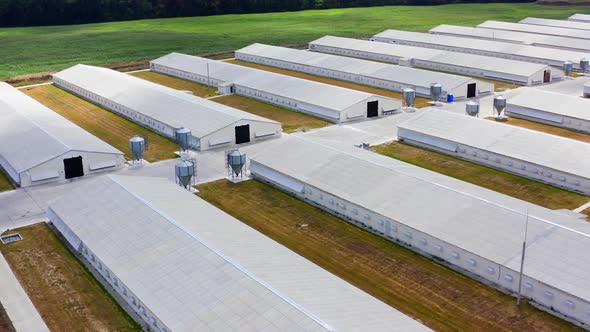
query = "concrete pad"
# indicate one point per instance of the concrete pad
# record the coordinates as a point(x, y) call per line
point(21, 311)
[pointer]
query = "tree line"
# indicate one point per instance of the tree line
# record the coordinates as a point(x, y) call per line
point(57, 12)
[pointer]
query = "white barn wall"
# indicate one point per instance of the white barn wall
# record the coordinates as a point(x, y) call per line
point(537, 78)
point(459, 92)
point(563, 121)
point(519, 167)
point(472, 265)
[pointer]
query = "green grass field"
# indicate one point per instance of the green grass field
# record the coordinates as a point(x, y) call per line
point(5, 183)
point(503, 182)
point(441, 298)
point(39, 49)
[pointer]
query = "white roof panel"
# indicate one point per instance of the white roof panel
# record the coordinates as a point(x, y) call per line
point(555, 152)
point(452, 58)
point(514, 36)
point(314, 93)
point(481, 221)
point(537, 52)
point(551, 102)
point(32, 134)
point(556, 23)
point(580, 17)
point(195, 267)
point(378, 70)
point(536, 29)
point(172, 107)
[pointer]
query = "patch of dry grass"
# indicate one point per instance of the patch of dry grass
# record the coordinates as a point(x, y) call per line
point(176, 83)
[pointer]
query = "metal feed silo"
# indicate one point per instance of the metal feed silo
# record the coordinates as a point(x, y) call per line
point(436, 91)
point(184, 138)
point(499, 105)
point(137, 147)
point(184, 171)
point(567, 68)
point(409, 97)
point(472, 108)
point(584, 65)
point(236, 161)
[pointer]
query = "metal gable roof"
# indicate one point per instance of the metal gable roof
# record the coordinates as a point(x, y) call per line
point(551, 102)
point(404, 75)
point(320, 94)
point(445, 57)
point(32, 134)
point(481, 221)
point(199, 264)
point(172, 107)
point(536, 29)
point(556, 23)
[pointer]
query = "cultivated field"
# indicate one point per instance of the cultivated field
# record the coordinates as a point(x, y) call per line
point(41, 49)
point(64, 292)
point(5, 184)
point(506, 183)
point(107, 126)
point(291, 120)
point(439, 297)
point(547, 129)
point(420, 102)
point(178, 84)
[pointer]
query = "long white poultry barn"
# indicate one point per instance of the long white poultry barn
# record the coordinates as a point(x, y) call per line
point(580, 18)
point(532, 154)
point(536, 29)
point(376, 74)
point(38, 146)
point(492, 48)
point(556, 23)
point(474, 230)
point(329, 102)
point(182, 264)
point(525, 38)
point(165, 110)
point(551, 108)
point(446, 61)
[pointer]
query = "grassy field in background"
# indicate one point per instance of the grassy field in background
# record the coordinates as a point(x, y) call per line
point(547, 129)
point(502, 182)
point(438, 296)
point(64, 292)
point(106, 125)
point(178, 84)
point(291, 120)
point(40, 49)
point(420, 102)
point(5, 183)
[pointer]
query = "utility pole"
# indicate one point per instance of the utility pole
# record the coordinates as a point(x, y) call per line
point(526, 229)
point(208, 77)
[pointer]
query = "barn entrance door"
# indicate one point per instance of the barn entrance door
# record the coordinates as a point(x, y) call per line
point(372, 109)
point(242, 134)
point(73, 167)
point(547, 76)
point(470, 90)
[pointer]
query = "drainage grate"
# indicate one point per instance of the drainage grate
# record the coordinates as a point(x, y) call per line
point(10, 238)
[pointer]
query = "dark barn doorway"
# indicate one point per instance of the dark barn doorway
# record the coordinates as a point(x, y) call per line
point(547, 76)
point(242, 134)
point(73, 167)
point(471, 90)
point(372, 109)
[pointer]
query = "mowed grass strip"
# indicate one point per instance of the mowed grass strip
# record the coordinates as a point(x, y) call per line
point(5, 183)
point(106, 125)
point(420, 102)
point(441, 298)
point(178, 84)
point(291, 120)
point(64, 292)
point(553, 130)
point(503, 182)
